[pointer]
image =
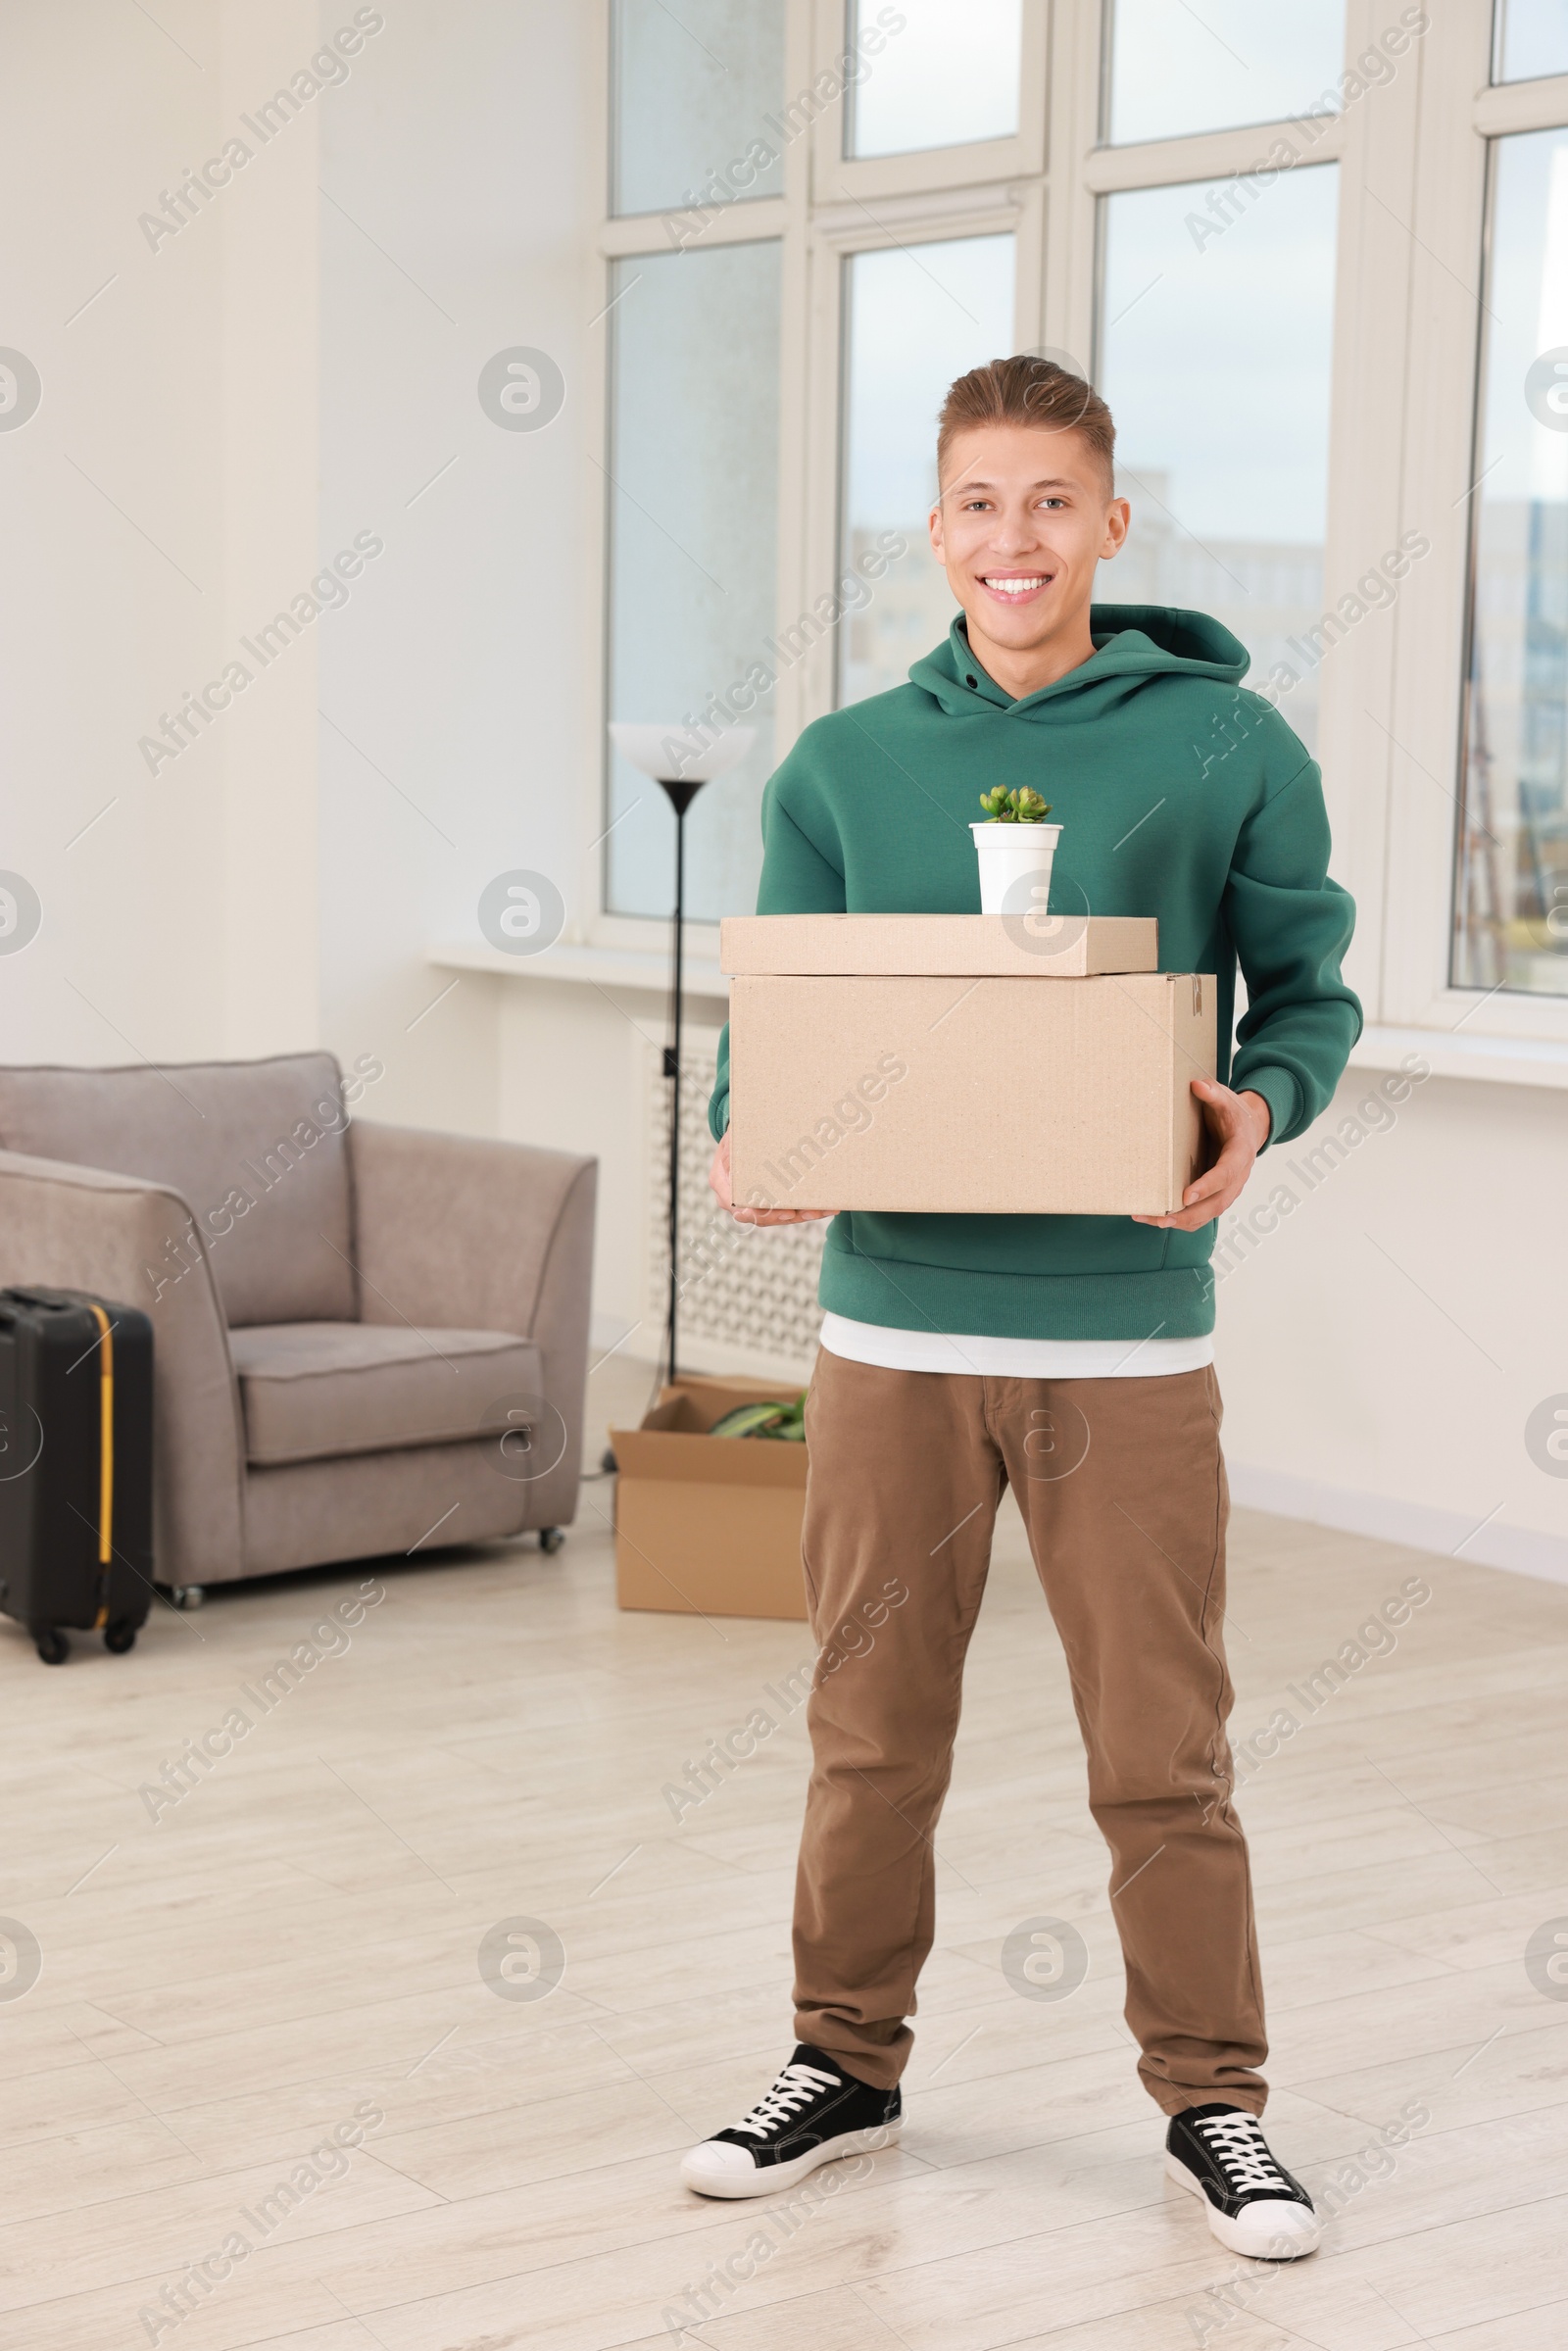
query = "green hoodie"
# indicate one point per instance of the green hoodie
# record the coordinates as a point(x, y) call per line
point(1181, 796)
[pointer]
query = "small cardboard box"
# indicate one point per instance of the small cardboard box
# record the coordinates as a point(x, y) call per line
point(709, 1526)
point(997, 1093)
point(831, 946)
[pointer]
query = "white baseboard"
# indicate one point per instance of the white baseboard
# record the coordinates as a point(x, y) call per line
point(1525, 1550)
point(698, 1353)
point(726, 1361)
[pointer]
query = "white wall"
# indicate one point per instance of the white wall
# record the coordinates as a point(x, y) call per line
point(458, 151)
point(268, 313)
point(1382, 1346)
point(113, 596)
point(291, 369)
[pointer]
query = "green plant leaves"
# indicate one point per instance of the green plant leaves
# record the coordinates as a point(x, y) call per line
point(1022, 806)
point(763, 1419)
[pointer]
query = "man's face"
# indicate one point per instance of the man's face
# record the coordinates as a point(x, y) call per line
point(1024, 516)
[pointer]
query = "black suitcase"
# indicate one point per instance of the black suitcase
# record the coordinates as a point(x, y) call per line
point(76, 1466)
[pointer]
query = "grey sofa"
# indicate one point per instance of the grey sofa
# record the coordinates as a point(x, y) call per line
point(365, 1338)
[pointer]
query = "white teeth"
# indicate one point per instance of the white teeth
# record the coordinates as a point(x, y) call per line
point(1015, 587)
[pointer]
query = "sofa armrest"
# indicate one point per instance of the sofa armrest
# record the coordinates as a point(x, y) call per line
point(459, 1231)
point(65, 1227)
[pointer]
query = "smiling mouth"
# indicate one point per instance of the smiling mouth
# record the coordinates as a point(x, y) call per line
point(1015, 587)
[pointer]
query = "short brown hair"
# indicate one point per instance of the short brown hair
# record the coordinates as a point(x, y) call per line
point(1029, 391)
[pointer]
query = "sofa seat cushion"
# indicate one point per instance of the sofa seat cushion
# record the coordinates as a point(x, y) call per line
point(315, 1390)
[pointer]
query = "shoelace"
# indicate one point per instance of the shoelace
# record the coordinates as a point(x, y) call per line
point(1239, 2142)
point(795, 2087)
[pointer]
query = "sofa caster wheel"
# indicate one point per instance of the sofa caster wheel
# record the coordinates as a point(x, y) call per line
point(120, 1636)
point(550, 1539)
point(187, 1596)
point(52, 1647)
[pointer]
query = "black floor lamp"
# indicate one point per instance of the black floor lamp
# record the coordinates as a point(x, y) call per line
point(657, 751)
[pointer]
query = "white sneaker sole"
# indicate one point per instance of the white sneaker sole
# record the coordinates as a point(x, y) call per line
point(1270, 2238)
point(722, 2182)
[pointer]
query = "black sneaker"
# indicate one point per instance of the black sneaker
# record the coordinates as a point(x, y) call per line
point(814, 2113)
point(1254, 2206)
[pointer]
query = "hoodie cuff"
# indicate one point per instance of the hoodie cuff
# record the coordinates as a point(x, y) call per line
point(1279, 1090)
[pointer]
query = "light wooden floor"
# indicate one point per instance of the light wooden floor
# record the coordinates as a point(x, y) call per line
point(299, 1936)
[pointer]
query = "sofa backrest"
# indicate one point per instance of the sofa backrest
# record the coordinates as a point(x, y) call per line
point(256, 1149)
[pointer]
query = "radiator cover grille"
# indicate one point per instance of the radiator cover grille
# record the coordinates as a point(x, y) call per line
point(746, 1291)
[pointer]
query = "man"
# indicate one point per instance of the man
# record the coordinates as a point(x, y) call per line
point(1069, 1356)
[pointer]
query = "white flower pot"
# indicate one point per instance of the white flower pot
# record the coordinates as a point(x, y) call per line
point(1014, 857)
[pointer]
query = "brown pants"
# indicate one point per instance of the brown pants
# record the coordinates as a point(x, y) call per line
point(1122, 1488)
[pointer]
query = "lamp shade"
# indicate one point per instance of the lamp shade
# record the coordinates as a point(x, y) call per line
point(677, 754)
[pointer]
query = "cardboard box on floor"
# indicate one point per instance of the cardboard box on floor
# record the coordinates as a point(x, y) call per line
point(996, 1085)
point(709, 1526)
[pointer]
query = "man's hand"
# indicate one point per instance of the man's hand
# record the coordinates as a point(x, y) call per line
point(723, 1192)
point(1240, 1123)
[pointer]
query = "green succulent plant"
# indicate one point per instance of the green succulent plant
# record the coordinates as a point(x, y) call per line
point(1024, 806)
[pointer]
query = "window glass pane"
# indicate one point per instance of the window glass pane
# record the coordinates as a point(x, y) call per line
point(917, 317)
point(945, 73)
point(1176, 69)
point(1531, 40)
point(698, 87)
point(1512, 896)
point(1215, 358)
point(692, 501)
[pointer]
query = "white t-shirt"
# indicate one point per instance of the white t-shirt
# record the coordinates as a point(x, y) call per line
point(1014, 1359)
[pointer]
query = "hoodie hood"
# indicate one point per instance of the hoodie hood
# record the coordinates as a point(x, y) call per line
point(1133, 643)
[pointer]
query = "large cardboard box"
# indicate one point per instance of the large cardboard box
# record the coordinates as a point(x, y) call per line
point(709, 1526)
point(976, 1091)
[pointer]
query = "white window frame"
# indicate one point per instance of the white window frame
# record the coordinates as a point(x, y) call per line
point(1460, 112)
point(831, 208)
point(1412, 162)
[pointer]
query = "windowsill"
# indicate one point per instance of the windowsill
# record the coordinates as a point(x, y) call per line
point(1501, 1060)
point(585, 968)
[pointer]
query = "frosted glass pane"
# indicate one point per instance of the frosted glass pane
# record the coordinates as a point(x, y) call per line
point(1215, 361)
point(1531, 40)
point(693, 504)
point(916, 320)
point(947, 75)
point(697, 86)
point(1512, 899)
point(1176, 69)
